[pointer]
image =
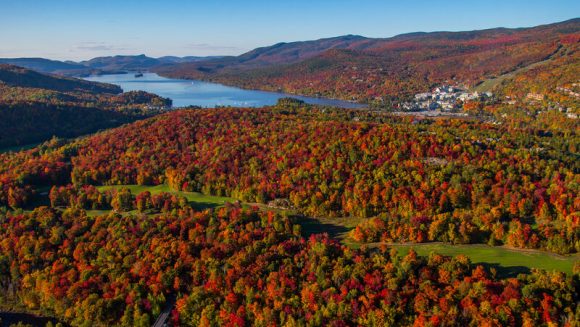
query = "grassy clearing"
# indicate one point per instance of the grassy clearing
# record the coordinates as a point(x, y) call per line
point(196, 200)
point(507, 262)
point(95, 213)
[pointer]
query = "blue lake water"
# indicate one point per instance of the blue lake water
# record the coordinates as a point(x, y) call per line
point(205, 94)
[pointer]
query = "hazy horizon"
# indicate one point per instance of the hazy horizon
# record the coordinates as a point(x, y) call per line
point(69, 30)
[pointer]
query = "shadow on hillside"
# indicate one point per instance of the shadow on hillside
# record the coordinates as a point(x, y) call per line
point(505, 272)
point(314, 226)
point(13, 318)
point(39, 199)
point(203, 205)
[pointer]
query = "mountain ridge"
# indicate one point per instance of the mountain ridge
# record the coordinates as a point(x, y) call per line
point(98, 65)
point(381, 70)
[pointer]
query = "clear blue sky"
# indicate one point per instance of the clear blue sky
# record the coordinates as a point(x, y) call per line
point(82, 29)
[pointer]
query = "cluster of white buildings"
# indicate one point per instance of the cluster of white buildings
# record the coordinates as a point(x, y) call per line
point(445, 98)
point(569, 91)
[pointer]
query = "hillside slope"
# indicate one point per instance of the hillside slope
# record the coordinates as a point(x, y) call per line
point(555, 81)
point(280, 53)
point(34, 107)
point(121, 62)
point(22, 77)
point(120, 254)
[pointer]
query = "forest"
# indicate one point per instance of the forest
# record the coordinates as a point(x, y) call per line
point(236, 267)
point(88, 255)
point(448, 180)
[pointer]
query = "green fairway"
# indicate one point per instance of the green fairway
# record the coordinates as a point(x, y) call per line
point(95, 213)
point(196, 200)
point(507, 261)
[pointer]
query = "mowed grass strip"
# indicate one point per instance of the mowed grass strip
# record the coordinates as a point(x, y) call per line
point(513, 259)
point(196, 200)
point(507, 261)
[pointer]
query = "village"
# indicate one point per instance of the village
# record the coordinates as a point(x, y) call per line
point(444, 98)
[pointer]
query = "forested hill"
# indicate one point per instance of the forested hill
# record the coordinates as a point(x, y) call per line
point(102, 249)
point(34, 106)
point(364, 69)
point(22, 77)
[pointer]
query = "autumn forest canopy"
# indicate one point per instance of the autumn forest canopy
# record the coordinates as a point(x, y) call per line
point(453, 181)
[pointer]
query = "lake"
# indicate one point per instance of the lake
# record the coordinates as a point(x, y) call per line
point(198, 93)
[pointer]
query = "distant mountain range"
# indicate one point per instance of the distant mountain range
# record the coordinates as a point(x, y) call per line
point(47, 66)
point(293, 52)
point(352, 67)
point(99, 65)
point(382, 69)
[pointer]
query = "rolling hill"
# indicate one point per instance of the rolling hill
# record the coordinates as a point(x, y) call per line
point(117, 235)
point(34, 106)
point(175, 59)
point(22, 77)
point(280, 53)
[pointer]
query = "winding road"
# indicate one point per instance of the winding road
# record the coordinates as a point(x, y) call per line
point(164, 315)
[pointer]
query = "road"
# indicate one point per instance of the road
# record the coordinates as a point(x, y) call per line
point(164, 315)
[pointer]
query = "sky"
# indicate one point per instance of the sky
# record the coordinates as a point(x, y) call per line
point(83, 29)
